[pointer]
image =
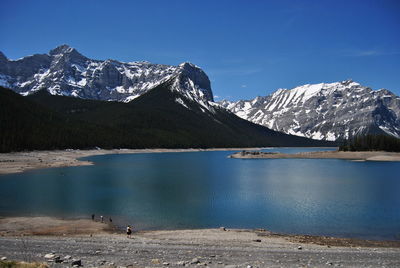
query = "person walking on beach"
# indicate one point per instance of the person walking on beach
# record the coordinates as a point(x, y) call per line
point(92, 217)
point(102, 219)
point(128, 231)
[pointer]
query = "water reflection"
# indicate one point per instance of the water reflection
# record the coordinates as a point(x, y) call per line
point(206, 189)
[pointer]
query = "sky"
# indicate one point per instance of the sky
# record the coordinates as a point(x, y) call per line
point(247, 48)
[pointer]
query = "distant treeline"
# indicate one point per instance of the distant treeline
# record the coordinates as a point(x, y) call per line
point(154, 120)
point(371, 143)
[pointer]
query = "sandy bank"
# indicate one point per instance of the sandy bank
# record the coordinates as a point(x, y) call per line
point(17, 226)
point(357, 156)
point(22, 161)
point(207, 247)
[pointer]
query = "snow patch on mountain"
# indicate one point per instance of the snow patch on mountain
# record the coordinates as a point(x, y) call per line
point(64, 71)
point(4, 80)
point(325, 111)
point(181, 102)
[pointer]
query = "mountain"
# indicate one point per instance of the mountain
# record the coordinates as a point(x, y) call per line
point(77, 102)
point(333, 111)
point(159, 118)
point(64, 71)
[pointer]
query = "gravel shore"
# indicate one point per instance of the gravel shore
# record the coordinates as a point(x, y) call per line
point(211, 247)
point(176, 248)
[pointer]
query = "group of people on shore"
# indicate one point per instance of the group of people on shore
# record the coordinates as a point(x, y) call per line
point(128, 228)
point(101, 218)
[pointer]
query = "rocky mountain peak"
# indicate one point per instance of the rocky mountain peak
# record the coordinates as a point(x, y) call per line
point(67, 52)
point(188, 65)
point(325, 111)
point(3, 57)
point(194, 75)
point(349, 83)
point(64, 71)
point(62, 49)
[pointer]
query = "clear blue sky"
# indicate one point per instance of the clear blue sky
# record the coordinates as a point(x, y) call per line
point(247, 48)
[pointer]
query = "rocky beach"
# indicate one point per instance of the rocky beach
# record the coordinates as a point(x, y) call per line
point(68, 242)
point(64, 243)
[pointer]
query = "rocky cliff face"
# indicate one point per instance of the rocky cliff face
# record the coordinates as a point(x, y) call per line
point(64, 71)
point(324, 111)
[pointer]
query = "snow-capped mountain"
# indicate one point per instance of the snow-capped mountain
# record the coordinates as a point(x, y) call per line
point(321, 111)
point(324, 111)
point(64, 71)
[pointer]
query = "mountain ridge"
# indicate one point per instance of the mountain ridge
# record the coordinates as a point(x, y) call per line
point(325, 111)
point(156, 119)
point(64, 71)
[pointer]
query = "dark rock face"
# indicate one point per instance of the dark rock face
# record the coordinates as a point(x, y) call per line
point(198, 77)
point(64, 71)
point(26, 67)
point(3, 58)
point(324, 111)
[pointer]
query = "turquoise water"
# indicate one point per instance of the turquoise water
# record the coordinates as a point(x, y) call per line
point(207, 189)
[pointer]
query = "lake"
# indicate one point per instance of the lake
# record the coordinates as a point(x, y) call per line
point(206, 189)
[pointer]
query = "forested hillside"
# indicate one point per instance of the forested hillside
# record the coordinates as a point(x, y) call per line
point(154, 120)
point(372, 143)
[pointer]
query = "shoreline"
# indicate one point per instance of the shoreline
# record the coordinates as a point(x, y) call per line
point(55, 226)
point(17, 162)
point(354, 156)
point(97, 244)
point(176, 248)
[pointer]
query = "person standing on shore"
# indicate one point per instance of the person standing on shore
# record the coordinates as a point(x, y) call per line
point(128, 231)
point(92, 217)
point(102, 219)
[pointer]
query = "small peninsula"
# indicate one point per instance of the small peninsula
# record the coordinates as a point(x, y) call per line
point(355, 156)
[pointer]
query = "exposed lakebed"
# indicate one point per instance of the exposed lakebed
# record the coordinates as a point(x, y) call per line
point(207, 189)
